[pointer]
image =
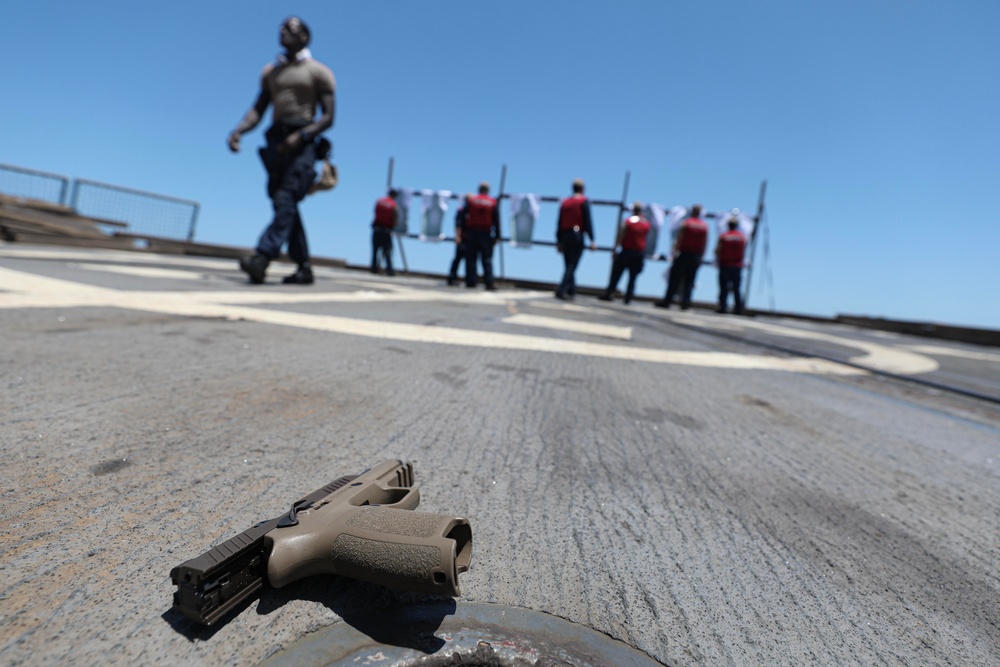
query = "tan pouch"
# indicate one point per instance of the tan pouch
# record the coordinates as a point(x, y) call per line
point(328, 178)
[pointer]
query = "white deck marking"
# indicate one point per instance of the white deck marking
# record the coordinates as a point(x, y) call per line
point(603, 330)
point(954, 352)
point(124, 256)
point(876, 357)
point(568, 307)
point(142, 271)
point(25, 290)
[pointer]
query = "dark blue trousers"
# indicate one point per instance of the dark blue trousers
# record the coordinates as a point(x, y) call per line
point(460, 251)
point(478, 244)
point(382, 242)
point(681, 278)
point(729, 280)
point(571, 243)
point(289, 176)
point(632, 260)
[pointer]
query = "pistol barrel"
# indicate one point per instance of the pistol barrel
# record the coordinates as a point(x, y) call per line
point(219, 580)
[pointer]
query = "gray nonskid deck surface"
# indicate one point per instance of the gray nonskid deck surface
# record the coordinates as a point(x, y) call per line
point(702, 499)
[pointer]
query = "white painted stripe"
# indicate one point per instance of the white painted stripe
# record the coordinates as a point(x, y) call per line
point(124, 256)
point(559, 324)
point(877, 357)
point(953, 352)
point(259, 296)
point(142, 271)
point(570, 307)
point(33, 291)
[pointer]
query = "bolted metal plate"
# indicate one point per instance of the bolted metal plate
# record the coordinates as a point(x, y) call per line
point(439, 634)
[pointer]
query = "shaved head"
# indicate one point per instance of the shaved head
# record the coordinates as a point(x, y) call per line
point(295, 33)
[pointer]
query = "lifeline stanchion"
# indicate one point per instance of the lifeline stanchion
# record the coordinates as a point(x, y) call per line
point(503, 180)
point(753, 239)
point(621, 208)
point(399, 237)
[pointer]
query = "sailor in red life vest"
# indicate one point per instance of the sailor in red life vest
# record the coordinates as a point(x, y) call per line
point(574, 224)
point(386, 219)
point(689, 248)
point(632, 241)
point(729, 250)
point(480, 234)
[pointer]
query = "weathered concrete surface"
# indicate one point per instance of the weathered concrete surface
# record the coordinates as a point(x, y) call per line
point(704, 500)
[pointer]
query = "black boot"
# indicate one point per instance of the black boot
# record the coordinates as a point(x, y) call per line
point(255, 266)
point(302, 276)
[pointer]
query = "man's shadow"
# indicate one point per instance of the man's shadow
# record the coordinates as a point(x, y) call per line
point(395, 618)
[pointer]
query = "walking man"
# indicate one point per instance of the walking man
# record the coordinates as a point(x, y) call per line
point(294, 86)
point(729, 251)
point(632, 241)
point(386, 219)
point(481, 232)
point(574, 223)
point(689, 247)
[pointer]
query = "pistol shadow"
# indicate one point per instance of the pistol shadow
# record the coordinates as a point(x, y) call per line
point(395, 618)
point(196, 631)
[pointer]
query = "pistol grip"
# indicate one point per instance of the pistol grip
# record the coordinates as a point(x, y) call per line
point(403, 549)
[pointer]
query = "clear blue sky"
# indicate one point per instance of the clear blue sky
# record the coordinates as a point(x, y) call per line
point(874, 123)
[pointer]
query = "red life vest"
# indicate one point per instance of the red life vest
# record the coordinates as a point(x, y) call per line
point(571, 212)
point(695, 236)
point(479, 212)
point(636, 231)
point(732, 245)
point(385, 213)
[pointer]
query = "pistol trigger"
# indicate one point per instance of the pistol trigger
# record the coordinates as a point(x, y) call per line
point(291, 519)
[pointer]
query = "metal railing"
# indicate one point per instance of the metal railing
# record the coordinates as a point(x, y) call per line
point(32, 184)
point(143, 212)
